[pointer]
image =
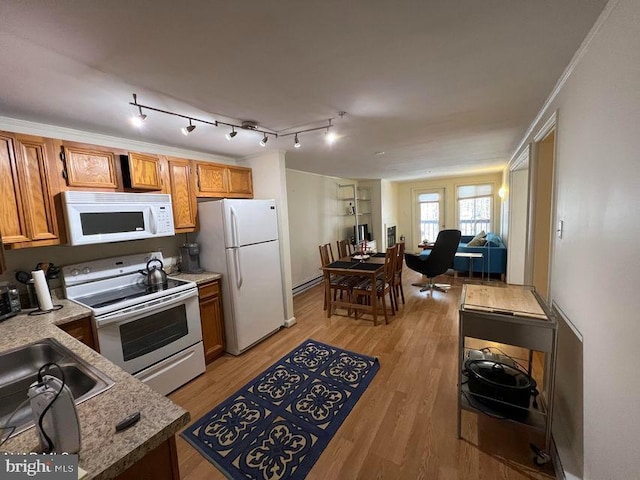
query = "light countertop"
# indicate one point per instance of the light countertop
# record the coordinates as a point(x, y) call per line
point(198, 278)
point(104, 453)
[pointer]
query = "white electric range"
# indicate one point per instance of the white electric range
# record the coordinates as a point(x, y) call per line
point(152, 332)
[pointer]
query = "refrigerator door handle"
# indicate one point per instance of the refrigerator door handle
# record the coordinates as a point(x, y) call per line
point(239, 280)
point(234, 226)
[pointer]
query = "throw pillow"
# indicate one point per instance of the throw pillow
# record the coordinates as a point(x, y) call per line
point(493, 240)
point(478, 240)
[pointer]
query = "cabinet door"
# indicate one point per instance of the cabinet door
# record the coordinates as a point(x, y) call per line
point(212, 320)
point(240, 182)
point(82, 330)
point(11, 207)
point(182, 197)
point(212, 180)
point(90, 168)
point(35, 180)
point(144, 171)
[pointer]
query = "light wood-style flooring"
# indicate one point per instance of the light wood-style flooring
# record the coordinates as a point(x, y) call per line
point(404, 426)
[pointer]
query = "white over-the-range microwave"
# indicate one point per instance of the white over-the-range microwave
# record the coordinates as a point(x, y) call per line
point(96, 217)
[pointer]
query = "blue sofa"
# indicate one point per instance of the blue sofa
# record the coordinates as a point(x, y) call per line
point(494, 256)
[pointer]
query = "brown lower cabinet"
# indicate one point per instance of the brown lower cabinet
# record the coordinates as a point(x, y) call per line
point(82, 329)
point(212, 320)
point(159, 464)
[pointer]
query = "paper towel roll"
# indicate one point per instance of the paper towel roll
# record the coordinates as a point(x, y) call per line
point(42, 290)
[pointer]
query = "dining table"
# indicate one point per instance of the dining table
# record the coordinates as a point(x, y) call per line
point(364, 266)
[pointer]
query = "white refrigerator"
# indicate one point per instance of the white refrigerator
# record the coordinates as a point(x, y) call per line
point(239, 239)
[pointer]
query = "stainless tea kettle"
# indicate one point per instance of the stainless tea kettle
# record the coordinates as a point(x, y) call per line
point(155, 275)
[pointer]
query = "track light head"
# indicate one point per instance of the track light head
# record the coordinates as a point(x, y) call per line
point(330, 137)
point(188, 129)
point(296, 142)
point(231, 134)
point(138, 120)
point(263, 142)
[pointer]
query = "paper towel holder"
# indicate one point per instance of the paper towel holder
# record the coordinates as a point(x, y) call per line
point(42, 290)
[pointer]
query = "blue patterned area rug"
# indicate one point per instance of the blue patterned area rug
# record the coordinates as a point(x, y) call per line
point(277, 425)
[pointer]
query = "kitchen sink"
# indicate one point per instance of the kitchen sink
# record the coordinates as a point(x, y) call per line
point(19, 369)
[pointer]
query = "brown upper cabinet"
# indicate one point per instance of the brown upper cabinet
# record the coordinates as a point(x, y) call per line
point(90, 167)
point(215, 180)
point(240, 182)
point(27, 211)
point(183, 198)
point(211, 179)
point(141, 171)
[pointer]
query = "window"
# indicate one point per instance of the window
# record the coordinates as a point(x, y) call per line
point(429, 210)
point(474, 208)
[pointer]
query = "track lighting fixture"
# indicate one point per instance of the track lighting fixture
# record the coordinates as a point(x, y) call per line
point(138, 119)
point(231, 134)
point(245, 125)
point(188, 129)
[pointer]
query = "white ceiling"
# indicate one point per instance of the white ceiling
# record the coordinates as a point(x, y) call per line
point(440, 86)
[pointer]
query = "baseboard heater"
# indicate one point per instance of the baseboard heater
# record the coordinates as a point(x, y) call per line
point(306, 285)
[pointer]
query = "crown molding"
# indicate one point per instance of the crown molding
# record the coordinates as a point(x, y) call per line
point(582, 49)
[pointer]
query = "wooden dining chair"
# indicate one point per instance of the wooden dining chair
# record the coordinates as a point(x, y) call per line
point(337, 283)
point(397, 278)
point(343, 248)
point(383, 284)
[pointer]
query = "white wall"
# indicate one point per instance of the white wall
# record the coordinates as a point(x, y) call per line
point(314, 218)
point(269, 181)
point(594, 266)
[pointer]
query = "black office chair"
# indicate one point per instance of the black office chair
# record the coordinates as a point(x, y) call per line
point(437, 262)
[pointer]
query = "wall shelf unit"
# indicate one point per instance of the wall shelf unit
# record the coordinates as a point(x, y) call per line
point(355, 202)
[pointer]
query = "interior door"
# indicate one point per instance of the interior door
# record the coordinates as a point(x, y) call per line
point(428, 214)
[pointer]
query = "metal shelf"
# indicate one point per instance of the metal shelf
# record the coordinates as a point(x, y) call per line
point(515, 316)
point(354, 202)
point(531, 416)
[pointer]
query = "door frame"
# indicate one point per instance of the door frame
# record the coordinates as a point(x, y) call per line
point(549, 127)
point(522, 163)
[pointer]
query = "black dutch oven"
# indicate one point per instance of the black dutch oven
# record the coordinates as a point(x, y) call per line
point(503, 388)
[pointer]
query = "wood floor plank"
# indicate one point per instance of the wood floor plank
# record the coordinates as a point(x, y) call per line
point(404, 425)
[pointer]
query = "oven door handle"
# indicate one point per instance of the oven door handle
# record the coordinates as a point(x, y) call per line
point(159, 304)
